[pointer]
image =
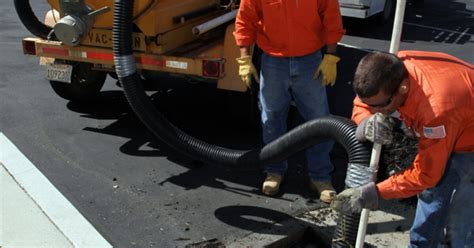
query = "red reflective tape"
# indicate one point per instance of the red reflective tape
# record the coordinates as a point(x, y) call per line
point(150, 61)
point(57, 51)
point(100, 56)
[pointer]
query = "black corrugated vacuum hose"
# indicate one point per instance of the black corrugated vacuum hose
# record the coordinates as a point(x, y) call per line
point(29, 19)
point(301, 137)
point(310, 133)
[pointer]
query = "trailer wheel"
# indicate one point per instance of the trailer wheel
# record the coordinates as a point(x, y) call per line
point(85, 85)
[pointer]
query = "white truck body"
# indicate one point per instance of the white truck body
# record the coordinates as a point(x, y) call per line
point(361, 8)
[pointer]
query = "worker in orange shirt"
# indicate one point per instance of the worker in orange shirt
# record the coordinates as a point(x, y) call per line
point(291, 35)
point(433, 94)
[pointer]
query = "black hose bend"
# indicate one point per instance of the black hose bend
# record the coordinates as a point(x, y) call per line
point(303, 136)
point(29, 19)
point(310, 133)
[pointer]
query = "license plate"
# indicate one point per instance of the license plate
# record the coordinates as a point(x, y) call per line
point(59, 72)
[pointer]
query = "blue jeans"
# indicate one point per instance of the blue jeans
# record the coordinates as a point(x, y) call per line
point(284, 79)
point(438, 208)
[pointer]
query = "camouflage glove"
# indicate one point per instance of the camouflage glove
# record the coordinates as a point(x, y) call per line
point(328, 68)
point(377, 128)
point(353, 200)
point(247, 70)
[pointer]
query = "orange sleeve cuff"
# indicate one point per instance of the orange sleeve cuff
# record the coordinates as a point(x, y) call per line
point(360, 111)
point(243, 41)
point(387, 191)
point(335, 37)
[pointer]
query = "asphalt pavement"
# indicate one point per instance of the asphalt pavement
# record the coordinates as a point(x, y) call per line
point(128, 190)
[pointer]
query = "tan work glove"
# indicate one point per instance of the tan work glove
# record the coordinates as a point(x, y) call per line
point(377, 128)
point(247, 70)
point(328, 68)
point(353, 200)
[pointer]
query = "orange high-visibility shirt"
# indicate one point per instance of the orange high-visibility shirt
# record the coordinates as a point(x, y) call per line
point(440, 110)
point(288, 28)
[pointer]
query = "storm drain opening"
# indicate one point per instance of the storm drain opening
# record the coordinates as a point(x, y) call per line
point(310, 239)
point(300, 237)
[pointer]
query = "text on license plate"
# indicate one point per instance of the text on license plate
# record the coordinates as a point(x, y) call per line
point(59, 72)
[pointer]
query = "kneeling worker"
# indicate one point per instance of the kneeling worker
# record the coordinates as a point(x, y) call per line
point(434, 95)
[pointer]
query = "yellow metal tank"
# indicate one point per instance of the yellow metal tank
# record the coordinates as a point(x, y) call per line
point(153, 16)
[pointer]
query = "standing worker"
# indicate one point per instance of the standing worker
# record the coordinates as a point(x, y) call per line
point(291, 34)
point(434, 95)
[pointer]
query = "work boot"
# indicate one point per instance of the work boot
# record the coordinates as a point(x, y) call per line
point(271, 185)
point(325, 189)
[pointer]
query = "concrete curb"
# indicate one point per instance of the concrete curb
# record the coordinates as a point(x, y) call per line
point(38, 207)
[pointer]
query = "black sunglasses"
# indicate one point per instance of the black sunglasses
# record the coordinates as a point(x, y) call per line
point(384, 104)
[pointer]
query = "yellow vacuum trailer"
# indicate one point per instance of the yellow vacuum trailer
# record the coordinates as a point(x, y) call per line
point(191, 38)
point(165, 23)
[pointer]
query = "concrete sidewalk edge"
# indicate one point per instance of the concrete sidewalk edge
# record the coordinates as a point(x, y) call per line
point(48, 199)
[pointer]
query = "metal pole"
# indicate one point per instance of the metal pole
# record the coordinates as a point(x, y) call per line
point(397, 26)
point(364, 216)
point(376, 149)
point(202, 28)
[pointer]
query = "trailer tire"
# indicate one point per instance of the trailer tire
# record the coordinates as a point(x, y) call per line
point(85, 85)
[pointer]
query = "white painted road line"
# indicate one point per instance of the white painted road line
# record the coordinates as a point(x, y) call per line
point(59, 210)
point(439, 29)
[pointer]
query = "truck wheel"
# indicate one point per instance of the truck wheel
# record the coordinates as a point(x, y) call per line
point(85, 84)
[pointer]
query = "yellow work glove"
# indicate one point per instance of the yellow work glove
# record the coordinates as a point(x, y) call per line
point(247, 70)
point(328, 68)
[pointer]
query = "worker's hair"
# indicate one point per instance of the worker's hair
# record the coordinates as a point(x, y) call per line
point(379, 71)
